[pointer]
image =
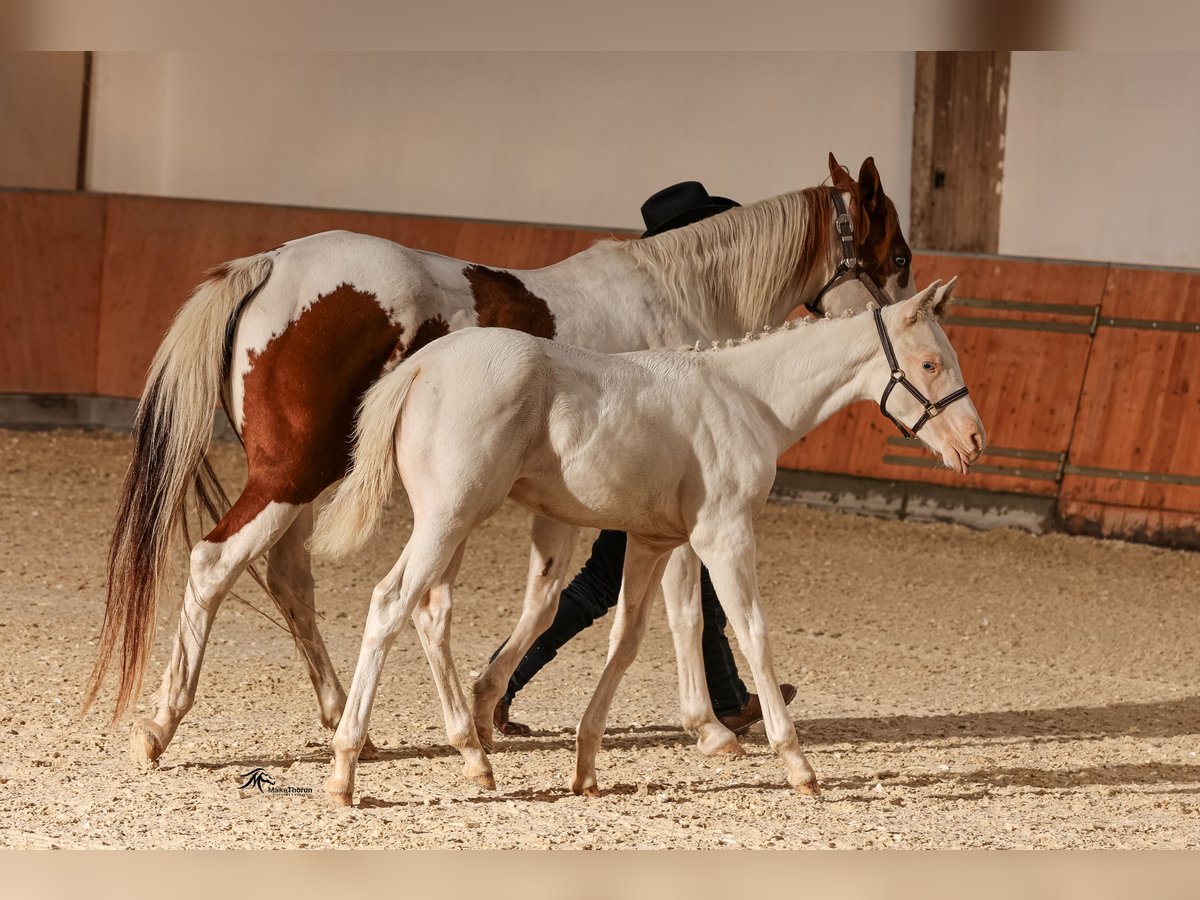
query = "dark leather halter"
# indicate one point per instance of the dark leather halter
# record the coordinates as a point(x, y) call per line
point(898, 378)
point(850, 263)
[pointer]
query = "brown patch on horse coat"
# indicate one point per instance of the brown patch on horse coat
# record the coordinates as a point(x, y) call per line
point(300, 396)
point(503, 301)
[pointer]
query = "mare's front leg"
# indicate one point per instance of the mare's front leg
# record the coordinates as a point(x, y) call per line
point(643, 570)
point(550, 553)
point(681, 591)
point(727, 546)
point(432, 620)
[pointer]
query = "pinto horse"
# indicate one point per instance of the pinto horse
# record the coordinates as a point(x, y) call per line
point(670, 447)
point(288, 342)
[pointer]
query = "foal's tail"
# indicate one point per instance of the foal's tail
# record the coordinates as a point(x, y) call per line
point(170, 440)
point(356, 509)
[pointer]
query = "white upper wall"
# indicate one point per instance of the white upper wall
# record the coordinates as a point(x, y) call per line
point(573, 138)
point(1100, 157)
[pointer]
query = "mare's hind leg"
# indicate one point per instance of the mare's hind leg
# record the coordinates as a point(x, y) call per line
point(289, 576)
point(432, 620)
point(643, 570)
point(214, 567)
point(549, 555)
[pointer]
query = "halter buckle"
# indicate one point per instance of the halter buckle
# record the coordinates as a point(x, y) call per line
point(932, 410)
point(844, 225)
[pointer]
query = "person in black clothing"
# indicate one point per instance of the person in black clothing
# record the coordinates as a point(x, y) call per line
point(597, 586)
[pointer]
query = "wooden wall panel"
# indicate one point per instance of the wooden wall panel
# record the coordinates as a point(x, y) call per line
point(157, 250)
point(50, 251)
point(1140, 406)
point(1024, 383)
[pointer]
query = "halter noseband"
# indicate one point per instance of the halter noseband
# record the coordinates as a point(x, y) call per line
point(899, 378)
point(850, 262)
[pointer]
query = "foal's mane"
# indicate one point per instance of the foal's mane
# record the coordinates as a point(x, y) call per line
point(735, 268)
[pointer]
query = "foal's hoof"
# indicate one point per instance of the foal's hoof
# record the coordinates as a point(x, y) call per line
point(725, 744)
point(146, 744)
point(338, 793)
point(585, 786)
point(369, 751)
point(485, 780)
point(808, 787)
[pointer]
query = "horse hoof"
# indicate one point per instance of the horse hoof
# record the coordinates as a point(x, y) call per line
point(485, 738)
point(369, 751)
point(809, 787)
point(339, 793)
point(585, 786)
point(145, 745)
point(485, 780)
point(729, 745)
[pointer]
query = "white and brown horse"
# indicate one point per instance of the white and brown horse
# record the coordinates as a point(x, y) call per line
point(668, 446)
point(289, 340)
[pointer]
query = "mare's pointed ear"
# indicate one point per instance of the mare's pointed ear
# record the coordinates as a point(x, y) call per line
point(869, 184)
point(920, 305)
point(841, 178)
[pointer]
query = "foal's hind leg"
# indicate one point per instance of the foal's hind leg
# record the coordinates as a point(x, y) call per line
point(549, 555)
point(432, 620)
point(214, 567)
point(419, 569)
point(643, 570)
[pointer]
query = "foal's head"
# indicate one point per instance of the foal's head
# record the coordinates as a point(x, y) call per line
point(929, 363)
point(879, 242)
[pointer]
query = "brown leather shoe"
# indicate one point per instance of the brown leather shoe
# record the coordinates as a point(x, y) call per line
point(504, 726)
point(740, 722)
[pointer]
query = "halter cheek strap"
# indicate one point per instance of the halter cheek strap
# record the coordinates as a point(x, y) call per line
point(850, 263)
point(899, 378)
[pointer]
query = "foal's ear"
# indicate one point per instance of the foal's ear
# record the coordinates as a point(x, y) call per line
point(920, 305)
point(869, 185)
point(943, 299)
point(841, 178)
point(933, 302)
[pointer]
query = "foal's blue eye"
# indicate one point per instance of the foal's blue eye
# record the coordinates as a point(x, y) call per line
point(901, 262)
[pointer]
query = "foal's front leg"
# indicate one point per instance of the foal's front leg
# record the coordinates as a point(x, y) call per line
point(729, 551)
point(681, 591)
point(550, 553)
point(643, 570)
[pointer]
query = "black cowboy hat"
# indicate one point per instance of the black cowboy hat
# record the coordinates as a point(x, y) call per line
point(681, 204)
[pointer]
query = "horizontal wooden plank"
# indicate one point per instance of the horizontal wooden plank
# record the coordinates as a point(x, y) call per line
point(50, 252)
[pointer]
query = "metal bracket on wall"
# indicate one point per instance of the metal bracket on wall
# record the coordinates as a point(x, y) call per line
point(1062, 466)
point(928, 462)
point(1092, 313)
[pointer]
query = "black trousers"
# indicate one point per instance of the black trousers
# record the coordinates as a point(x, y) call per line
point(595, 591)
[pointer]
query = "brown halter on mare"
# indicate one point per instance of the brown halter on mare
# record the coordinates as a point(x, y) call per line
point(850, 264)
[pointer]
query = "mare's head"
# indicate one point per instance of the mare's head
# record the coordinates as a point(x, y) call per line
point(929, 364)
point(879, 242)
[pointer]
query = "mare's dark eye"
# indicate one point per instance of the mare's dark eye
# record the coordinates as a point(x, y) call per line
point(928, 366)
point(901, 262)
